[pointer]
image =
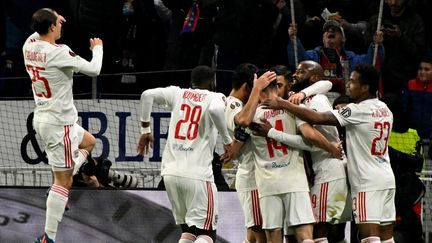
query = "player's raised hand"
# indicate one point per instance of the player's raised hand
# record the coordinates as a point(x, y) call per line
point(264, 80)
point(94, 42)
point(297, 98)
point(145, 143)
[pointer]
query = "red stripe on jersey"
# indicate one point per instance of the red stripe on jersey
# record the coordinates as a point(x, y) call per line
point(67, 146)
point(256, 208)
point(210, 207)
point(364, 206)
point(323, 202)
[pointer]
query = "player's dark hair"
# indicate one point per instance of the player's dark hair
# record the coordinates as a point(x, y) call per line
point(42, 20)
point(368, 75)
point(244, 73)
point(272, 86)
point(282, 70)
point(202, 75)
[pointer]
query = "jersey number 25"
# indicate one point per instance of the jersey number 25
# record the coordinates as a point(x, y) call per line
point(35, 74)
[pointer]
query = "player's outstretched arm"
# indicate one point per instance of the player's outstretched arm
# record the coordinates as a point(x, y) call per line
point(265, 129)
point(320, 87)
point(305, 114)
point(94, 67)
point(317, 139)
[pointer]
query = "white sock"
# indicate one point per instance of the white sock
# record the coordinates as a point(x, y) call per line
point(321, 240)
point(203, 239)
point(187, 238)
point(371, 239)
point(391, 240)
point(56, 202)
point(80, 159)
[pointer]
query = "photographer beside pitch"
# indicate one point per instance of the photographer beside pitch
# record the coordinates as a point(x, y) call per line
point(67, 144)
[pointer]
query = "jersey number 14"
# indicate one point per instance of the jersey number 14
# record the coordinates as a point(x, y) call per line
point(272, 144)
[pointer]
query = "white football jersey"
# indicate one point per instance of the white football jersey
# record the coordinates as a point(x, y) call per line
point(326, 167)
point(245, 176)
point(192, 132)
point(368, 126)
point(278, 167)
point(51, 68)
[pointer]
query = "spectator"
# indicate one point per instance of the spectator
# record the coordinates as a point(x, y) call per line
point(189, 47)
point(337, 62)
point(404, 41)
point(418, 97)
point(243, 34)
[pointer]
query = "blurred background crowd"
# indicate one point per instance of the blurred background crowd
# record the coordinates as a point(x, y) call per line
point(158, 36)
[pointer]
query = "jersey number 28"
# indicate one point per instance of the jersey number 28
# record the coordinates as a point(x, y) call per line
point(191, 119)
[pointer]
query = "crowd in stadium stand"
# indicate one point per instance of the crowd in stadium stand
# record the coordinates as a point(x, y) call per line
point(158, 35)
point(153, 35)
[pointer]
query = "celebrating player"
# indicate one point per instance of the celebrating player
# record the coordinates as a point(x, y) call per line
point(67, 144)
point(197, 115)
point(239, 112)
point(368, 124)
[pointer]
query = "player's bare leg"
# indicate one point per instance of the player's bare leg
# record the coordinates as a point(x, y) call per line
point(274, 235)
point(290, 239)
point(369, 232)
point(256, 234)
point(88, 142)
point(386, 233)
point(304, 233)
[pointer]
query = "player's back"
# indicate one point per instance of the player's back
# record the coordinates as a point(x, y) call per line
point(279, 168)
point(51, 81)
point(325, 166)
point(192, 134)
point(367, 133)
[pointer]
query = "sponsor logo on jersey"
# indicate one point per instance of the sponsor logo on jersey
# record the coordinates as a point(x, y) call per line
point(180, 147)
point(345, 112)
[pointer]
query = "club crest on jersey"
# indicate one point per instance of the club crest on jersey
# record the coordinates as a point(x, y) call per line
point(345, 112)
point(72, 53)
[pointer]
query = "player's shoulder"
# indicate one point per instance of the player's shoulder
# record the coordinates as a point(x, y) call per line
point(233, 101)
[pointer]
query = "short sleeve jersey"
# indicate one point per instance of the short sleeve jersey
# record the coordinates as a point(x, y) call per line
point(245, 176)
point(192, 134)
point(51, 68)
point(325, 166)
point(368, 126)
point(278, 168)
